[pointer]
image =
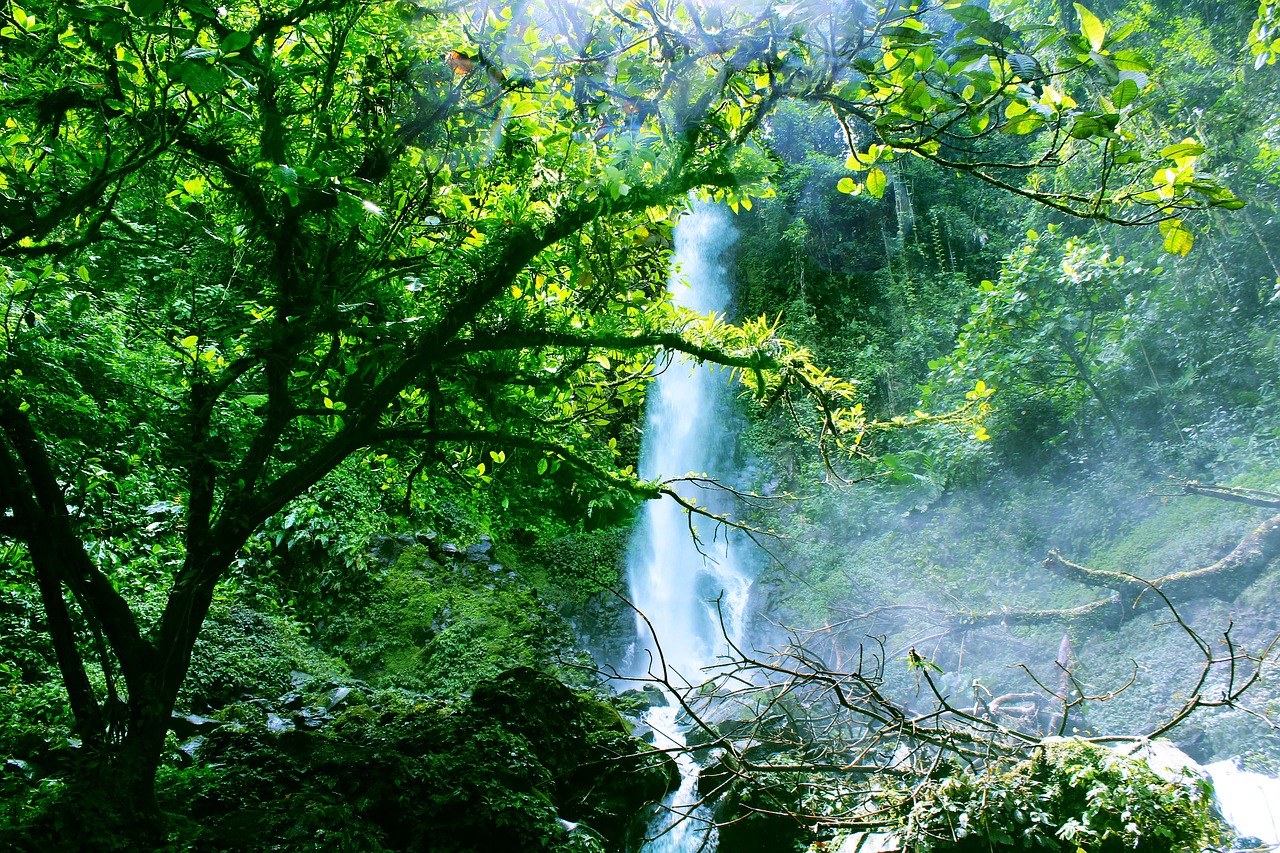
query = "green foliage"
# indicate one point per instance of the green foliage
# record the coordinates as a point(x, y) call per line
point(1072, 796)
point(318, 550)
point(577, 566)
point(243, 652)
point(1264, 38)
point(1046, 336)
point(243, 248)
point(440, 627)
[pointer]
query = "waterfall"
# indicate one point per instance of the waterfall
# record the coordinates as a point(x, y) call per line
point(688, 429)
point(1250, 802)
point(674, 581)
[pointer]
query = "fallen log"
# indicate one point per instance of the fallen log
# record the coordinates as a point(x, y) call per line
point(1131, 595)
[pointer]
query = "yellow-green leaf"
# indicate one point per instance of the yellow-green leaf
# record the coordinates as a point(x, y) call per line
point(876, 182)
point(847, 185)
point(1186, 148)
point(1177, 238)
point(1092, 28)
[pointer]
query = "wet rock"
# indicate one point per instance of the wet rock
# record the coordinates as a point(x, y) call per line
point(641, 730)
point(292, 701)
point(702, 740)
point(191, 747)
point(309, 719)
point(479, 552)
point(450, 550)
point(387, 549)
point(185, 725)
point(277, 724)
point(715, 777)
point(18, 767)
point(337, 697)
point(648, 696)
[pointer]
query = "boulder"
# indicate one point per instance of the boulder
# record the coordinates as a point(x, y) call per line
point(604, 776)
point(480, 551)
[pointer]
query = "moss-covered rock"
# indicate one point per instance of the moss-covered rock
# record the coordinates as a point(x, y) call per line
point(444, 619)
point(603, 776)
point(242, 651)
point(516, 767)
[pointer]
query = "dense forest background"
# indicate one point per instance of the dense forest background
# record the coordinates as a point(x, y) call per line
point(317, 472)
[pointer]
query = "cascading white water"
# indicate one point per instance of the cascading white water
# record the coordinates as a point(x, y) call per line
point(1250, 802)
point(673, 581)
point(688, 430)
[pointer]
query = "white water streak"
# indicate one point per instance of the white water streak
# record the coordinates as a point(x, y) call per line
point(688, 430)
point(1250, 802)
point(674, 583)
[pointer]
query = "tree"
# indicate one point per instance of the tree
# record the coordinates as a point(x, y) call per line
point(242, 244)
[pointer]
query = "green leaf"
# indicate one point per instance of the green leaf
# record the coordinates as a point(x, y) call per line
point(1181, 149)
point(542, 466)
point(1023, 124)
point(1177, 238)
point(847, 185)
point(969, 13)
point(146, 8)
point(1124, 94)
point(1024, 66)
point(199, 76)
point(1091, 27)
point(1130, 60)
point(876, 182)
point(284, 176)
point(235, 41)
point(79, 305)
point(1094, 124)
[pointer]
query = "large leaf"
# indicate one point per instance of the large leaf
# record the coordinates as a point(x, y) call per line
point(1094, 124)
point(146, 8)
point(1177, 238)
point(1124, 94)
point(876, 182)
point(201, 77)
point(1091, 27)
